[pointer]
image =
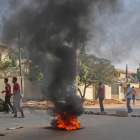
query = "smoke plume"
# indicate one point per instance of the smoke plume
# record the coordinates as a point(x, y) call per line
point(57, 28)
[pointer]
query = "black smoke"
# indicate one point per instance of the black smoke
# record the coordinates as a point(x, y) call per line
point(56, 27)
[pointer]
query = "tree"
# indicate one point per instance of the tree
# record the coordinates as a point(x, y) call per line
point(25, 57)
point(7, 65)
point(94, 70)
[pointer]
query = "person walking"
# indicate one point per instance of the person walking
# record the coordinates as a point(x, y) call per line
point(133, 95)
point(17, 98)
point(128, 97)
point(101, 95)
point(7, 96)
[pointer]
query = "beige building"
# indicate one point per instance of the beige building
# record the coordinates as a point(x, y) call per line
point(122, 76)
point(3, 50)
point(117, 90)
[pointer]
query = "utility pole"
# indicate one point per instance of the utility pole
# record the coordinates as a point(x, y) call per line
point(20, 61)
point(76, 52)
point(126, 73)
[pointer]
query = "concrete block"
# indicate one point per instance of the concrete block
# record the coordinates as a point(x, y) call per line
point(121, 114)
point(133, 115)
point(104, 113)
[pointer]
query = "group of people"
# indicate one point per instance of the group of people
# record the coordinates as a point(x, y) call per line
point(16, 100)
point(130, 94)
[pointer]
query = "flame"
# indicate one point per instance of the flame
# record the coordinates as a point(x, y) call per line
point(67, 121)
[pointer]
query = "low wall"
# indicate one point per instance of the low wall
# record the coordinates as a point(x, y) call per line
point(90, 92)
point(121, 92)
point(107, 91)
point(2, 85)
point(137, 93)
point(114, 96)
point(31, 91)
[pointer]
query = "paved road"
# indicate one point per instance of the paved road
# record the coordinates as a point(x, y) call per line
point(95, 127)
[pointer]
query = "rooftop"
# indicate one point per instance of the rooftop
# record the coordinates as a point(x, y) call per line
point(4, 46)
point(124, 71)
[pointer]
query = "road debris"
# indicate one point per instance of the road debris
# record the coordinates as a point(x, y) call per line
point(133, 115)
point(2, 135)
point(121, 114)
point(13, 128)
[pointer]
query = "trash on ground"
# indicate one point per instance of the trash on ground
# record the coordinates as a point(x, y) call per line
point(12, 128)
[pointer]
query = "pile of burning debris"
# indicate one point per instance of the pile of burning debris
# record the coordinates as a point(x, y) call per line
point(66, 121)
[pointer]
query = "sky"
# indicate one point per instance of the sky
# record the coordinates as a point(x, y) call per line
point(120, 41)
point(116, 36)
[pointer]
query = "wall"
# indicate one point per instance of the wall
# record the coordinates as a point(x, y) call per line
point(114, 96)
point(122, 75)
point(2, 86)
point(107, 92)
point(114, 89)
point(90, 92)
point(138, 93)
point(121, 92)
point(30, 91)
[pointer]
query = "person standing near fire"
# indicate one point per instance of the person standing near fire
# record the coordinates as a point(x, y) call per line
point(101, 95)
point(17, 98)
point(133, 95)
point(128, 97)
point(7, 96)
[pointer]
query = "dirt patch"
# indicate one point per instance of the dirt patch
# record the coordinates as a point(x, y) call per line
point(106, 101)
point(35, 105)
point(43, 105)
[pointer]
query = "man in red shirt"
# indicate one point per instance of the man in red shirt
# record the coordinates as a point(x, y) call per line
point(101, 95)
point(17, 98)
point(7, 96)
point(133, 94)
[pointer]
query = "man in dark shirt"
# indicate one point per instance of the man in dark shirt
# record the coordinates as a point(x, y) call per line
point(101, 95)
point(7, 96)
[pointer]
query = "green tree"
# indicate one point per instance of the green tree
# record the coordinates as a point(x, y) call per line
point(8, 63)
point(94, 70)
point(13, 54)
